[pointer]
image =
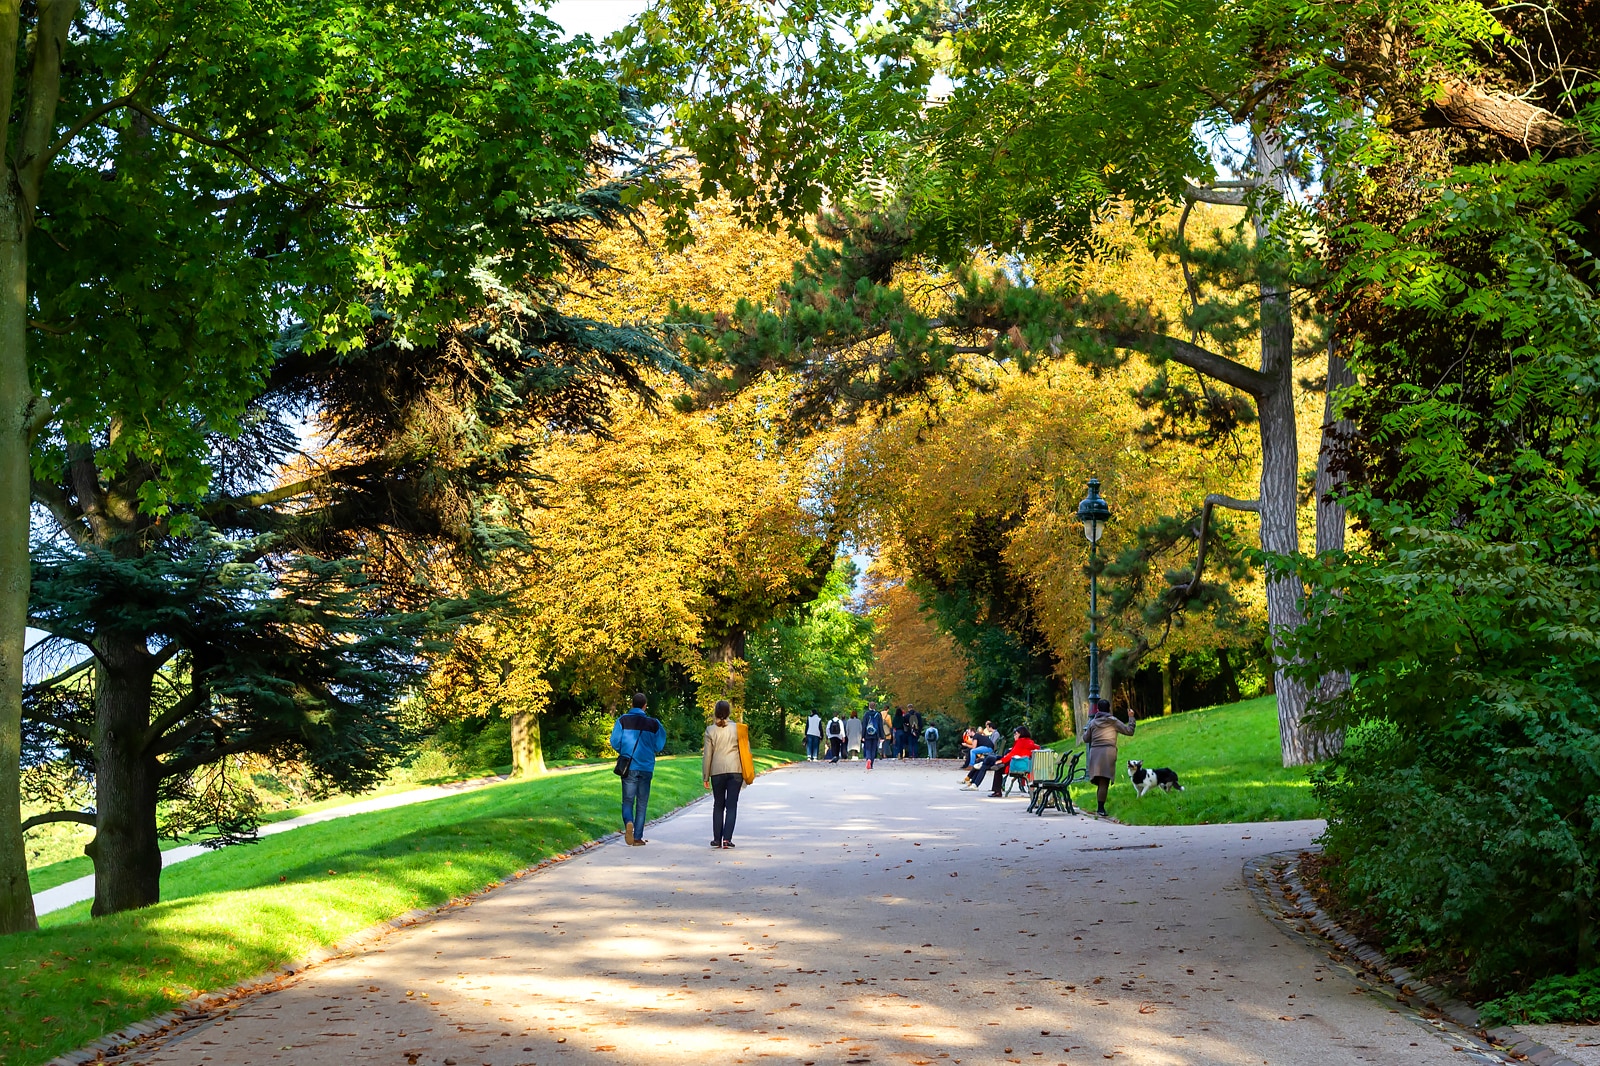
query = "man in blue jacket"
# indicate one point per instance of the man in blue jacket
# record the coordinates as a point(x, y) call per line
point(640, 738)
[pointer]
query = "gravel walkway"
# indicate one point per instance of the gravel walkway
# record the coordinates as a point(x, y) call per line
point(865, 917)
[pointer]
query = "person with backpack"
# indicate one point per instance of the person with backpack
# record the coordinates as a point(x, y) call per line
point(913, 730)
point(835, 738)
point(899, 749)
point(637, 738)
point(813, 737)
point(872, 733)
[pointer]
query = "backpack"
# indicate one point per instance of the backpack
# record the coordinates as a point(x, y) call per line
point(872, 724)
point(835, 728)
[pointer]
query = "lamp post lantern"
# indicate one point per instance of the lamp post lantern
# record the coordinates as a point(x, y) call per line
point(1094, 513)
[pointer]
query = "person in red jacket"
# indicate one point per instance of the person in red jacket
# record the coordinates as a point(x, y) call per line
point(1022, 746)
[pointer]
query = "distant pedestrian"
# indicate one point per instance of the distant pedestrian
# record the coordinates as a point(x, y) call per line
point(913, 730)
point(722, 769)
point(930, 741)
point(852, 735)
point(638, 738)
point(1100, 733)
point(835, 738)
point(871, 733)
point(814, 736)
point(899, 733)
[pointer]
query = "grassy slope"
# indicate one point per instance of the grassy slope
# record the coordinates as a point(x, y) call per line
point(242, 911)
point(1228, 760)
point(52, 874)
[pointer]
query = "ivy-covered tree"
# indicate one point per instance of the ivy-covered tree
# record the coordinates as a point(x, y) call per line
point(409, 186)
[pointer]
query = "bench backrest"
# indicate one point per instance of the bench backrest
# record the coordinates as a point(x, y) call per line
point(1045, 764)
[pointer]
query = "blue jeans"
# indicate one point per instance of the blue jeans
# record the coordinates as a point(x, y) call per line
point(635, 798)
point(813, 746)
point(869, 746)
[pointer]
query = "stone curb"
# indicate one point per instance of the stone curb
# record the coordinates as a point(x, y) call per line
point(1376, 963)
point(114, 1045)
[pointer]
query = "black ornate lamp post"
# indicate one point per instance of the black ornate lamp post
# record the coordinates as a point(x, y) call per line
point(1094, 513)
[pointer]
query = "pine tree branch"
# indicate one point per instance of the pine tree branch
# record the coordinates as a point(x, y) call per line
point(270, 496)
point(190, 763)
point(81, 817)
point(1213, 500)
point(64, 676)
point(1225, 370)
point(186, 706)
point(64, 725)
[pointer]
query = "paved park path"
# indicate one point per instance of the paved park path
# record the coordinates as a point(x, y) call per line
point(882, 917)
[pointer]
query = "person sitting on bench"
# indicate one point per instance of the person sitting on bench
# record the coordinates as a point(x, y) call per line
point(1022, 746)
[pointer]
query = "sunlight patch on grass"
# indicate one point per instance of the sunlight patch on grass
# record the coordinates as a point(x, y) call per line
point(1230, 764)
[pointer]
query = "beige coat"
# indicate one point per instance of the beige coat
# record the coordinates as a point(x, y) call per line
point(1101, 736)
point(721, 751)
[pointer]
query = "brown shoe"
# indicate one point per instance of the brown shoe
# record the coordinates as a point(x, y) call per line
point(627, 832)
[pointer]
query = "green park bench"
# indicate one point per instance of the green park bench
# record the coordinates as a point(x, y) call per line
point(1053, 775)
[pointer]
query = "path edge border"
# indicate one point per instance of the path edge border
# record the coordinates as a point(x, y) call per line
point(1283, 867)
point(114, 1045)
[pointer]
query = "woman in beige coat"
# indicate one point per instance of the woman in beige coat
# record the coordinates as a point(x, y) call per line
point(723, 774)
point(1100, 733)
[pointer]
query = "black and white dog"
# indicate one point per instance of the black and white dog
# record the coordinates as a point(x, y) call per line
point(1144, 780)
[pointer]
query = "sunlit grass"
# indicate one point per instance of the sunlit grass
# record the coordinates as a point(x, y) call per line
point(242, 911)
point(1228, 760)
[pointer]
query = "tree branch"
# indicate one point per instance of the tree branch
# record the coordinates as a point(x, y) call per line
point(1213, 500)
point(67, 516)
point(270, 496)
point(44, 91)
point(80, 817)
point(64, 725)
point(196, 699)
point(1193, 356)
point(1216, 195)
point(1471, 107)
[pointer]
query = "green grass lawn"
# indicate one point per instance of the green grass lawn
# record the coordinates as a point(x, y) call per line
point(1228, 761)
point(241, 911)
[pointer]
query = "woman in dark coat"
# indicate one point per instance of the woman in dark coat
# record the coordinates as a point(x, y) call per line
point(1100, 733)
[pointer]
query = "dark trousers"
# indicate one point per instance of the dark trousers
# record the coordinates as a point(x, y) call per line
point(635, 798)
point(869, 747)
point(835, 748)
point(990, 762)
point(724, 804)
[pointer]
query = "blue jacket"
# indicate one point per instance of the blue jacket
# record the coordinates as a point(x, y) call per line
point(639, 737)
point(874, 723)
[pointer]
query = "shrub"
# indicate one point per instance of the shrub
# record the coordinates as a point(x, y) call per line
point(1569, 999)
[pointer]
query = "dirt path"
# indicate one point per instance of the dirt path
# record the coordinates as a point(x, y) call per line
point(864, 918)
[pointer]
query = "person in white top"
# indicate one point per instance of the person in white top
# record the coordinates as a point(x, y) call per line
point(813, 737)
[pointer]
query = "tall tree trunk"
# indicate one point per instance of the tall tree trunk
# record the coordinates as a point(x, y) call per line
point(126, 848)
point(1331, 518)
point(16, 444)
point(1166, 687)
point(1280, 465)
point(527, 748)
